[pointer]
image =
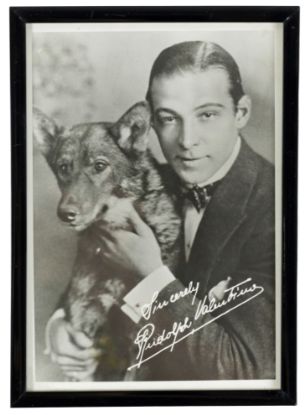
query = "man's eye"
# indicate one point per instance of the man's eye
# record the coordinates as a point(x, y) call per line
point(167, 119)
point(207, 115)
point(99, 165)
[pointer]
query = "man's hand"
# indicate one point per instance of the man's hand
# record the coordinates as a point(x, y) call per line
point(72, 350)
point(137, 253)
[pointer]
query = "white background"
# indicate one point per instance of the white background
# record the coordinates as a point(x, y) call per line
point(6, 207)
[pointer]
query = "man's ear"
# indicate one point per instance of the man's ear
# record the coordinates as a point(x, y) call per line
point(243, 111)
point(131, 130)
point(45, 132)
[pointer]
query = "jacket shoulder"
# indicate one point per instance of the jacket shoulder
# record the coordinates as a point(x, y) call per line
point(265, 183)
point(263, 192)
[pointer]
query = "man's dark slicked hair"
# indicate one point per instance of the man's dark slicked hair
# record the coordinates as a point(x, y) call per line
point(197, 56)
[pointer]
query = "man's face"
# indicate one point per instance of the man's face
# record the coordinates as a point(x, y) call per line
point(196, 122)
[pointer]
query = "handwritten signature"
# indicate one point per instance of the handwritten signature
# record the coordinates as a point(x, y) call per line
point(147, 340)
point(148, 310)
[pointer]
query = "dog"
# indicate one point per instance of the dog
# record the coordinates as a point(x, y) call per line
point(100, 169)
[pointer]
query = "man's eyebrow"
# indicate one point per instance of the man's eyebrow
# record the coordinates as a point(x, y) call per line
point(203, 106)
point(209, 104)
point(158, 110)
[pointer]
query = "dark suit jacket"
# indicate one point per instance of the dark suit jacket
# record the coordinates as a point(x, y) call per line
point(235, 238)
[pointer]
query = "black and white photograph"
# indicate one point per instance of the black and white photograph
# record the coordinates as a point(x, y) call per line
point(155, 185)
point(154, 189)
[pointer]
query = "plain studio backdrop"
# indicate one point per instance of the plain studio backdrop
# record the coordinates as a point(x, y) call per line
point(96, 76)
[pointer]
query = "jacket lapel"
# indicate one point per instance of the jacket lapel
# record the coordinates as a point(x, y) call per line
point(223, 216)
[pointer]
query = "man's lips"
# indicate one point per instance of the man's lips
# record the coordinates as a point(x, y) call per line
point(190, 158)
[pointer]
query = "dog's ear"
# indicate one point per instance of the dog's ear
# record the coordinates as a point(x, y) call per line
point(45, 132)
point(131, 130)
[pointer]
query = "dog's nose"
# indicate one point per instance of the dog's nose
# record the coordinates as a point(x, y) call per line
point(66, 215)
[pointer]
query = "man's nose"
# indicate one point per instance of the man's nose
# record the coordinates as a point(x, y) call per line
point(188, 136)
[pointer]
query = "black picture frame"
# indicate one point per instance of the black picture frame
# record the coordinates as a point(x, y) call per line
point(19, 17)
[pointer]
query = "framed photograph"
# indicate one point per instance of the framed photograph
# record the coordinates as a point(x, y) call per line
point(154, 197)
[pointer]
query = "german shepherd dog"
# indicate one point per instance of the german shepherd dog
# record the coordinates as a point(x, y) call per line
point(100, 168)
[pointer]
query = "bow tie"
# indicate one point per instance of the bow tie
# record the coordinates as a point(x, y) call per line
point(200, 196)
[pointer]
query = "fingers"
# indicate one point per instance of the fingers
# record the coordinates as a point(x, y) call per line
point(104, 232)
point(140, 227)
point(73, 352)
point(78, 375)
point(71, 362)
point(73, 344)
point(86, 354)
point(75, 369)
point(69, 369)
point(106, 241)
point(132, 216)
point(79, 338)
point(86, 376)
point(106, 248)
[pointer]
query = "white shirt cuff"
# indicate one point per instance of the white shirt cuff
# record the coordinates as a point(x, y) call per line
point(143, 292)
point(60, 313)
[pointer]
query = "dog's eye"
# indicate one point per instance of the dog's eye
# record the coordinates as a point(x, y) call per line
point(63, 168)
point(100, 165)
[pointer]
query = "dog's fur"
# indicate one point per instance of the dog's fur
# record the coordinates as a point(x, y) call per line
point(101, 168)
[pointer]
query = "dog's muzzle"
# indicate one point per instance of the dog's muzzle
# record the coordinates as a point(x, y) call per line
point(67, 215)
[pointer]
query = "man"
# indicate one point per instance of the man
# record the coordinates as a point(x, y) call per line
point(198, 109)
